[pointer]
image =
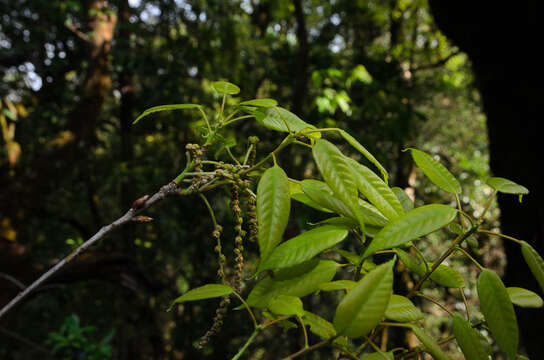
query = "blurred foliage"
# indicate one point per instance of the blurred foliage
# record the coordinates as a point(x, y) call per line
point(378, 69)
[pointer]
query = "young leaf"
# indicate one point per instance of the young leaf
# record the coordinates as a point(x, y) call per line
point(357, 145)
point(430, 345)
point(447, 276)
point(337, 173)
point(353, 258)
point(321, 194)
point(286, 305)
point(363, 306)
point(207, 291)
point(376, 191)
point(280, 119)
point(337, 285)
point(259, 102)
point(498, 311)
point(300, 280)
point(341, 221)
point(319, 326)
point(436, 172)
point(224, 87)
point(401, 309)
point(506, 186)
point(524, 298)
point(534, 261)
point(379, 356)
point(405, 201)
point(295, 190)
point(304, 247)
point(412, 225)
point(468, 339)
point(165, 108)
point(411, 262)
point(273, 207)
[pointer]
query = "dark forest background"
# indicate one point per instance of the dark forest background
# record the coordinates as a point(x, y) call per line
point(452, 78)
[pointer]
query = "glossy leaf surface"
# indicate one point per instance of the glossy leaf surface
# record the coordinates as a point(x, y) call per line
point(506, 186)
point(404, 199)
point(165, 108)
point(299, 281)
point(498, 311)
point(337, 173)
point(430, 344)
point(224, 87)
point(280, 119)
point(208, 291)
point(259, 102)
point(376, 191)
point(319, 326)
point(436, 172)
point(524, 298)
point(304, 247)
point(357, 145)
point(364, 305)
point(273, 207)
point(447, 276)
point(286, 305)
point(412, 225)
point(337, 285)
point(535, 262)
point(468, 339)
point(401, 309)
point(295, 190)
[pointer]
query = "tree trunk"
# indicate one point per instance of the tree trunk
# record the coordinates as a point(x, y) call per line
point(493, 36)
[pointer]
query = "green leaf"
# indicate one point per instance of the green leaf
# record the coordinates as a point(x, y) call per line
point(379, 356)
point(436, 172)
point(447, 276)
point(321, 194)
point(430, 345)
point(304, 247)
point(319, 326)
point(405, 201)
point(411, 262)
point(273, 207)
point(300, 280)
point(295, 190)
point(363, 306)
point(498, 311)
point(224, 87)
point(337, 285)
point(376, 191)
point(357, 145)
point(468, 339)
point(165, 108)
point(259, 102)
point(286, 305)
point(534, 261)
point(338, 174)
point(341, 221)
point(412, 225)
point(280, 119)
point(207, 291)
point(353, 258)
point(524, 298)
point(401, 309)
point(506, 186)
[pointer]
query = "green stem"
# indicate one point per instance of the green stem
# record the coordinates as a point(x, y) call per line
point(205, 119)
point(249, 149)
point(303, 331)
point(236, 119)
point(481, 218)
point(232, 156)
point(464, 252)
point(444, 256)
point(436, 302)
point(465, 302)
point(308, 349)
point(246, 345)
point(210, 209)
point(501, 235)
point(248, 308)
point(180, 177)
point(222, 107)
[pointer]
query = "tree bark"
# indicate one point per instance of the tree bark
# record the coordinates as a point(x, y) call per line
point(494, 38)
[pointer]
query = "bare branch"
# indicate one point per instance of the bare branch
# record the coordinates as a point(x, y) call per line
point(167, 190)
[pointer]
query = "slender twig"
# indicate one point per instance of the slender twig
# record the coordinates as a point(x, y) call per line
point(481, 218)
point(464, 252)
point(460, 211)
point(303, 331)
point(249, 149)
point(308, 349)
point(462, 291)
point(436, 302)
point(205, 118)
point(165, 191)
point(248, 308)
point(236, 119)
point(501, 235)
point(246, 345)
point(210, 209)
point(13, 280)
point(232, 156)
point(444, 256)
